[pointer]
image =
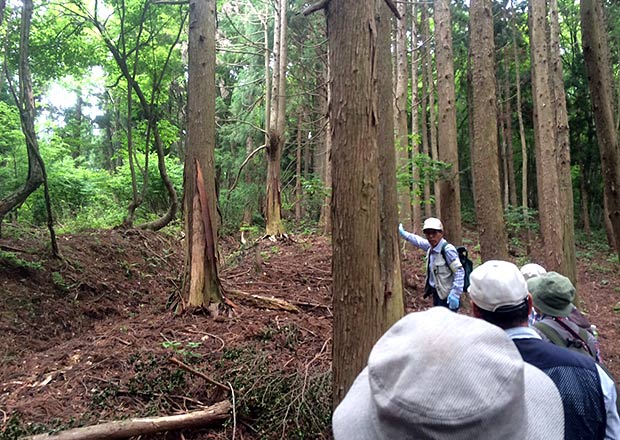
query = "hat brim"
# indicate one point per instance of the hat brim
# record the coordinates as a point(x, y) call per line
point(355, 417)
point(544, 308)
point(543, 406)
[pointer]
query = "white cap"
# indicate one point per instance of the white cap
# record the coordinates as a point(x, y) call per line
point(432, 223)
point(495, 284)
point(532, 270)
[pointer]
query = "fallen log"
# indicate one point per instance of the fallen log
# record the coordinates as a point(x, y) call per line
point(120, 429)
point(264, 301)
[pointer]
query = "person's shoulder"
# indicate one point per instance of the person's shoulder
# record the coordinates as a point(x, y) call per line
point(569, 357)
point(545, 354)
point(448, 247)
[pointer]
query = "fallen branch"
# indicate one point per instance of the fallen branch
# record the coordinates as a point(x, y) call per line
point(263, 301)
point(6, 247)
point(133, 427)
point(311, 305)
point(198, 373)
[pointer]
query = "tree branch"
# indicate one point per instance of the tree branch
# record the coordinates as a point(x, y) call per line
point(135, 427)
point(392, 7)
point(244, 164)
point(315, 7)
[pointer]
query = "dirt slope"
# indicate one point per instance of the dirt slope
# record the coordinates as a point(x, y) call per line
point(90, 338)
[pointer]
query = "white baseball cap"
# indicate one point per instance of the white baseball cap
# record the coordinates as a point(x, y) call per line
point(432, 223)
point(495, 284)
point(532, 270)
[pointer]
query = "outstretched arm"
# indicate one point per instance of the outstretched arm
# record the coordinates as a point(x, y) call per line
point(414, 239)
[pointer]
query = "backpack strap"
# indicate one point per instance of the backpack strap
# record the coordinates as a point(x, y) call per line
point(576, 335)
point(550, 333)
point(443, 254)
point(557, 339)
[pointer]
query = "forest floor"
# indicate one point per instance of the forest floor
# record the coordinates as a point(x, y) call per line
point(90, 338)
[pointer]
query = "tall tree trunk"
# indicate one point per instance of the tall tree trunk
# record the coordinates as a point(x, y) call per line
point(77, 130)
point(524, 154)
point(24, 99)
point(490, 219)
point(298, 157)
point(432, 115)
point(568, 264)
point(391, 277)
point(273, 203)
point(609, 227)
point(201, 281)
point(416, 210)
point(402, 131)
point(324, 153)
point(173, 203)
point(596, 54)
point(545, 140)
point(248, 209)
point(357, 292)
point(512, 185)
point(136, 196)
point(427, 102)
point(585, 200)
point(449, 184)
point(503, 163)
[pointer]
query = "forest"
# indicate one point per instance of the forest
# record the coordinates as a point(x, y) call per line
point(199, 199)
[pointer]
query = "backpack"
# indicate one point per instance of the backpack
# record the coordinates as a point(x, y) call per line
point(467, 264)
point(559, 333)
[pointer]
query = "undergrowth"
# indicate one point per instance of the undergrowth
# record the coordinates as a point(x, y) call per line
point(279, 403)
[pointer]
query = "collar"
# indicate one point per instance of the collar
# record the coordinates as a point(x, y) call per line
point(522, 333)
point(437, 249)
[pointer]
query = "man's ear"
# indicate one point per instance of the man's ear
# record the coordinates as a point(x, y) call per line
point(530, 303)
point(476, 311)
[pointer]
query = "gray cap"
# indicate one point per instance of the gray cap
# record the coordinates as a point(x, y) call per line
point(440, 375)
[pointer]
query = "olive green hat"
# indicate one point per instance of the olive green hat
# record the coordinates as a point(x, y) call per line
point(553, 294)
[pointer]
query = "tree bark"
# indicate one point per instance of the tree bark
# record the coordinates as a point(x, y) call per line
point(416, 211)
point(512, 185)
point(325, 154)
point(585, 201)
point(24, 99)
point(427, 102)
point(596, 54)
point(391, 278)
point(201, 282)
point(449, 184)
point(357, 293)
point(298, 176)
point(568, 264)
point(273, 203)
point(402, 131)
point(490, 219)
point(545, 136)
